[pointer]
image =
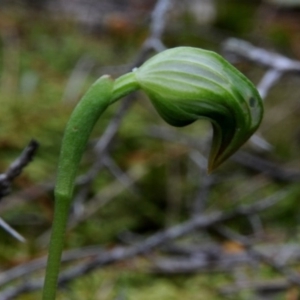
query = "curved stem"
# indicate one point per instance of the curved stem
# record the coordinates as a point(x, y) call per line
point(124, 85)
point(77, 132)
point(100, 95)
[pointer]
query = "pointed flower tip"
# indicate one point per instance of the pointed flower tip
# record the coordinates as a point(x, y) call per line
point(212, 166)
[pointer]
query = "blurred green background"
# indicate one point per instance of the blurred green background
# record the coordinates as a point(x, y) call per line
point(51, 51)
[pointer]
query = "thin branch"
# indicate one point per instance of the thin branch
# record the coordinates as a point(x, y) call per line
point(77, 78)
point(7, 178)
point(200, 202)
point(26, 269)
point(11, 231)
point(157, 25)
point(17, 167)
point(244, 158)
point(266, 167)
point(261, 56)
point(270, 78)
point(123, 177)
point(291, 276)
point(103, 197)
point(275, 286)
point(144, 247)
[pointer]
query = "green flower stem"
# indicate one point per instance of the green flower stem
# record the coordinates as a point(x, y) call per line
point(123, 86)
point(77, 132)
point(61, 213)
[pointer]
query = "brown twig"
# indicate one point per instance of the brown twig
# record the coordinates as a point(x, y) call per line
point(17, 167)
point(292, 277)
point(7, 178)
point(149, 244)
point(250, 161)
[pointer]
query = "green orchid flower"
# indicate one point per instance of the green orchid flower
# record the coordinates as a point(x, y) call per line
point(184, 84)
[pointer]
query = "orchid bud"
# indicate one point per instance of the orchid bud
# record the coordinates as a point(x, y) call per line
point(186, 84)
